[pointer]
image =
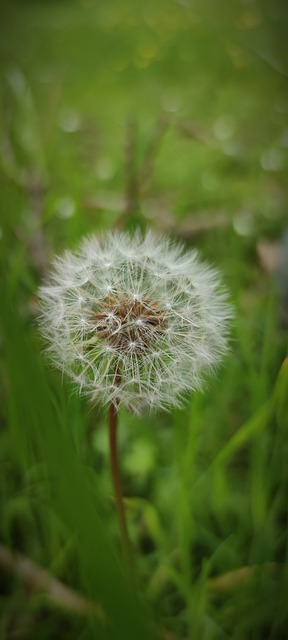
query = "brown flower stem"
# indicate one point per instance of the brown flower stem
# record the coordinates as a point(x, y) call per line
point(116, 478)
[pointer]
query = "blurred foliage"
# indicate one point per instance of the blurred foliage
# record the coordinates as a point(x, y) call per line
point(171, 114)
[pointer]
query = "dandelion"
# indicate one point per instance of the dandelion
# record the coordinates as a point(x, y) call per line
point(136, 321)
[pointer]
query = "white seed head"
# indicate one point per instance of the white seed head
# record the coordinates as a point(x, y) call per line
point(135, 320)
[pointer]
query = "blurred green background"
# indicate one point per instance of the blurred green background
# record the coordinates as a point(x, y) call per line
point(171, 114)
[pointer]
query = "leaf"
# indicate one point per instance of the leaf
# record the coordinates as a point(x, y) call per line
point(38, 432)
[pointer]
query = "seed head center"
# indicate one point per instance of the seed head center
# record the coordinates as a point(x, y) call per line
point(128, 324)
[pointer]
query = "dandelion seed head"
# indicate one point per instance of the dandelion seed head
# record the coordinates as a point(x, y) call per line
point(135, 320)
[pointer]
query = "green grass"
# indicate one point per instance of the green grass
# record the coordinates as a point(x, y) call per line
point(205, 487)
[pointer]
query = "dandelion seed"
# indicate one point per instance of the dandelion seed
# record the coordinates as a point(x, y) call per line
point(135, 319)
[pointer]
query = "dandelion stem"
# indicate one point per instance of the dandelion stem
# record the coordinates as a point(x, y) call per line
point(116, 478)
